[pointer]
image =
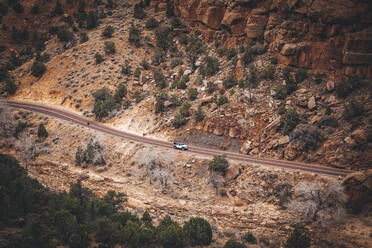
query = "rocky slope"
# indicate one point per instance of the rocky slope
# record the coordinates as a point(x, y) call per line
point(326, 36)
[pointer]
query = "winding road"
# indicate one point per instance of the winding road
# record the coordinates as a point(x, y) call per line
point(88, 123)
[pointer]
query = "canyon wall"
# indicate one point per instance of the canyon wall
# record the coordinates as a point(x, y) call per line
point(332, 36)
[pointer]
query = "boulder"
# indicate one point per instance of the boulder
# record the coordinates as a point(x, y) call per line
point(232, 172)
point(283, 140)
point(246, 147)
point(311, 104)
point(358, 188)
point(239, 70)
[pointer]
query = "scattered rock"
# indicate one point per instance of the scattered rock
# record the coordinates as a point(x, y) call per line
point(311, 103)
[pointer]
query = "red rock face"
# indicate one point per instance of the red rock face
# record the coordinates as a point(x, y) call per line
point(321, 35)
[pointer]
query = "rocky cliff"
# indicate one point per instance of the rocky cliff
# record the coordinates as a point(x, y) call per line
point(330, 36)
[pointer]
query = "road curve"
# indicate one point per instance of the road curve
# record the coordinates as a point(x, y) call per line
point(83, 121)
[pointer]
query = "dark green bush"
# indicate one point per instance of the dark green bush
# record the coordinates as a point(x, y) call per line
point(64, 35)
point(222, 100)
point(135, 36)
point(137, 72)
point(307, 136)
point(58, 9)
point(194, 48)
point(109, 47)
point(19, 128)
point(98, 58)
point(145, 65)
point(297, 239)
point(91, 20)
point(268, 72)
point(346, 87)
point(10, 86)
point(120, 93)
point(290, 121)
point(35, 9)
point(170, 9)
point(170, 234)
point(138, 12)
point(247, 57)
point(176, 23)
point(83, 37)
point(229, 82)
point(152, 23)
point(159, 78)
point(38, 68)
point(179, 121)
point(301, 75)
point(19, 36)
point(212, 66)
point(211, 87)
point(329, 121)
point(17, 7)
point(252, 79)
point(219, 164)
point(199, 114)
point(193, 94)
point(233, 244)
point(42, 132)
point(249, 238)
point(164, 37)
point(160, 99)
point(104, 103)
point(198, 231)
point(182, 83)
point(353, 110)
point(108, 31)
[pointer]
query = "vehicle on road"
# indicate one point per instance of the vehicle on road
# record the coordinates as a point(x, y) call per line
point(179, 146)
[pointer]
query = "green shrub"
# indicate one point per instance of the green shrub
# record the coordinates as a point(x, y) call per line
point(179, 121)
point(193, 94)
point(268, 72)
point(307, 136)
point(91, 20)
point(58, 10)
point(137, 72)
point(297, 239)
point(159, 78)
point(185, 109)
point(109, 47)
point(229, 82)
point(199, 114)
point(170, 234)
point(19, 36)
point(104, 103)
point(135, 36)
point(212, 66)
point(233, 244)
point(218, 164)
point(318, 78)
point(145, 65)
point(301, 75)
point(170, 9)
point(346, 87)
point(35, 9)
point(252, 79)
point(158, 57)
point(249, 238)
point(198, 231)
point(126, 69)
point(98, 58)
point(176, 23)
point(64, 35)
point(164, 37)
point(211, 87)
point(138, 97)
point(353, 110)
point(19, 128)
point(329, 121)
point(108, 31)
point(222, 100)
point(182, 83)
point(138, 12)
point(194, 49)
point(247, 57)
point(257, 50)
point(17, 7)
point(42, 132)
point(291, 119)
point(81, 6)
point(160, 99)
point(120, 92)
point(83, 37)
point(38, 68)
point(10, 86)
point(274, 61)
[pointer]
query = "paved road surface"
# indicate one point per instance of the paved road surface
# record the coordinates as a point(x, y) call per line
point(83, 121)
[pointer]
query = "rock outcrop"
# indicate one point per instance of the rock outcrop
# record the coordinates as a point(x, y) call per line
point(322, 35)
point(358, 187)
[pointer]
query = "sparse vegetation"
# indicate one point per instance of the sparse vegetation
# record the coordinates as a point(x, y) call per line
point(152, 23)
point(19, 128)
point(193, 94)
point(42, 132)
point(199, 114)
point(249, 238)
point(268, 72)
point(233, 244)
point(219, 164)
point(135, 36)
point(290, 121)
point(159, 78)
point(64, 34)
point(301, 75)
point(297, 239)
point(164, 37)
point(10, 86)
point(229, 82)
point(108, 31)
point(104, 103)
point(211, 66)
point(98, 58)
point(110, 47)
point(222, 100)
point(38, 68)
point(138, 11)
point(353, 110)
point(346, 87)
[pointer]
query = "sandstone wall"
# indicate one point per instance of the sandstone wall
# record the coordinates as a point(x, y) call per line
point(330, 36)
